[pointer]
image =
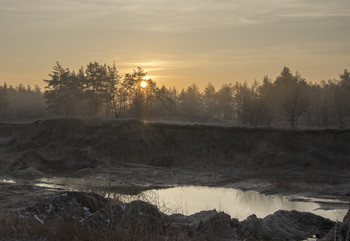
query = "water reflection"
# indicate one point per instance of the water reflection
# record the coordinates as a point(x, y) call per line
point(4, 180)
point(237, 203)
point(189, 199)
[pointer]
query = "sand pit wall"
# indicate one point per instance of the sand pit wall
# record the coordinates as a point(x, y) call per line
point(61, 145)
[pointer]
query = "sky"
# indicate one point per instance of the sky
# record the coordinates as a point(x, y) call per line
point(177, 42)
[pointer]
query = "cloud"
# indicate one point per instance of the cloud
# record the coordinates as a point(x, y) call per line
point(167, 36)
point(166, 15)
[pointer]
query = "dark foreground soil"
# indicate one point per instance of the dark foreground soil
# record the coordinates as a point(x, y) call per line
point(88, 216)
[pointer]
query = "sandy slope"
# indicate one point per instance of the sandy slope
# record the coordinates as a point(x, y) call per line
point(309, 162)
point(130, 156)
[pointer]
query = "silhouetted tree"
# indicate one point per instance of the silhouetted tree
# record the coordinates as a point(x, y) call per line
point(135, 96)
point(112, 88)
point(37, 89)
point(98, 89)
point(84, 93)
point(95, 91)
point(164, 102)
point(225, 101)
point(190, 102)
point(210, 101)
point(314, 110)
point(266, 93)
point(342, 98)
point(61, 91)
point(293, 95)
point(23, 102)
point(250, 104)
point(3, 97)
point(345, 80)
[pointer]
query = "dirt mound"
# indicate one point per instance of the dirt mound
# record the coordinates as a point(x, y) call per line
point(71, 144)
point(78, 159)
point(75, 160)
point(340, 231)
point(30, 173)
point(282, 225)
point(66, 202)
point(29, 159)
point(91, 215)
point(286, 225)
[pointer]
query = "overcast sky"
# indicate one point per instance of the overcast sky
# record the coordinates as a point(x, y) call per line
point(177, 42)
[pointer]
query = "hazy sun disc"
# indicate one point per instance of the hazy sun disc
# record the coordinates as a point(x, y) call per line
point(143, 84)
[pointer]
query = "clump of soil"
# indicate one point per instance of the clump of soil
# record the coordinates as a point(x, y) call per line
point(29, 173)
point(75, 160)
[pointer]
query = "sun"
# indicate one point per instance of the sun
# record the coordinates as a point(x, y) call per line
point(143, 84)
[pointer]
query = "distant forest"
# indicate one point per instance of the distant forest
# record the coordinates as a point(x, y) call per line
point(99, 91)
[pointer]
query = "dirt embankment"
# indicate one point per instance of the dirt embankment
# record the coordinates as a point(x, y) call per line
point(176, 155)
point(61, 145)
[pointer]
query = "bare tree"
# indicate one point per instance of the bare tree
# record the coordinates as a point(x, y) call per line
point(292, 94)
point(295, 104)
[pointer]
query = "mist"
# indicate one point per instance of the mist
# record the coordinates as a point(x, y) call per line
point(100, 156)
point(97, 90)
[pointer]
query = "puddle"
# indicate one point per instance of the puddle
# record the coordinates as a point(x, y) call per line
point(190, 199)
point(4, 180)
point(240, 204)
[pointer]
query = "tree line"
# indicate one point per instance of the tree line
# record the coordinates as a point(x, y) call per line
point(287, 101)
point(21, 102)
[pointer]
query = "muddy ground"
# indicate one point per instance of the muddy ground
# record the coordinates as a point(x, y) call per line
point(46, 157)
point(129, 152)
point(132, 178)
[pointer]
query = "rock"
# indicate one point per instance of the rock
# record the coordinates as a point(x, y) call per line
point(346, 218)
point(202, 215)
point(141, 219)
point(286, 225)
point(217, 225)
point(145, 215)
point(177, 217)
point(204, 225)
point(70, 203)
point(340, 231)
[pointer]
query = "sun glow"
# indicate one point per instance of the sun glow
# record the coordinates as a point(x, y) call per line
point(143, 84)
